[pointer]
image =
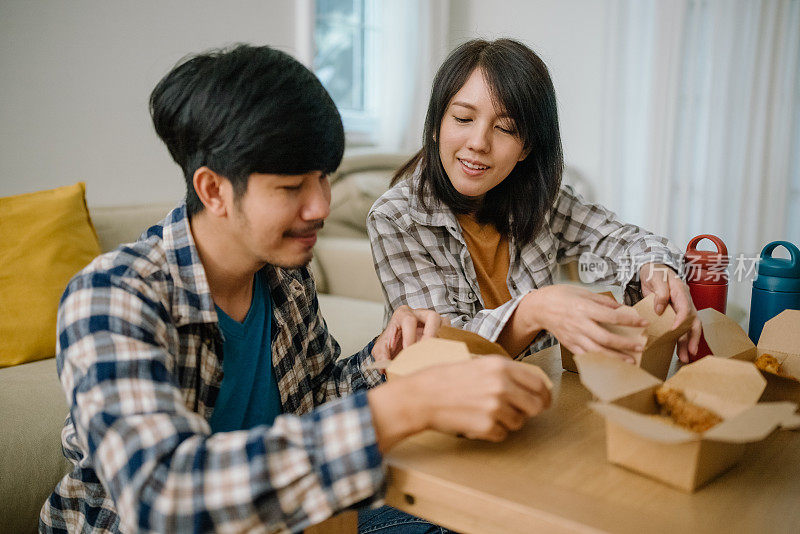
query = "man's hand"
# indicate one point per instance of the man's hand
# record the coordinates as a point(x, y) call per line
point(670, 289)
point(485, 398)
point(406, 327)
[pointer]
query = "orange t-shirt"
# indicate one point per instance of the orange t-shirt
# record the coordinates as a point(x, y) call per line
point(489, 252)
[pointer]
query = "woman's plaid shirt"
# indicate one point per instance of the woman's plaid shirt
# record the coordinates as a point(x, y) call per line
point(139, 357)
point(422, 259)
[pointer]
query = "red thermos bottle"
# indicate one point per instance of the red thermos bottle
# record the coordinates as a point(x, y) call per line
point(707, 278)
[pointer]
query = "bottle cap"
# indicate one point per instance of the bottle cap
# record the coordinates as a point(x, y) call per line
point(778, 274)
point(706, 266)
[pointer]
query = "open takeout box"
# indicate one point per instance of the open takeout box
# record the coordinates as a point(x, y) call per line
point(640, 440)
point(452, 345)
point(779, 338)
point(659, 338)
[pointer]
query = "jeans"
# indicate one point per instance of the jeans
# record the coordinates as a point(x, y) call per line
point(388, 520)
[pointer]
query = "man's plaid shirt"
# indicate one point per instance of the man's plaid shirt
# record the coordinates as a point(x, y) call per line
point(422, 259)
point(139, 357)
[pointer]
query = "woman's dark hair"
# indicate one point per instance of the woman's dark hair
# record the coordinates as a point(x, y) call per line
point(521, 86)
point(245, 110)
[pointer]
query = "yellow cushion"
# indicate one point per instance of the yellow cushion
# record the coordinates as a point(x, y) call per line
point(47, 237)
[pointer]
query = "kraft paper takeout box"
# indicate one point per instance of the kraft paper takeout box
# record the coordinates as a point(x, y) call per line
point(664, 451)
point(451, 345)
point(780, 338)
point(659, 338)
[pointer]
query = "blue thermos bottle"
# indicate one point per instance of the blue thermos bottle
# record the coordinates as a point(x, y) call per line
point(775, 288)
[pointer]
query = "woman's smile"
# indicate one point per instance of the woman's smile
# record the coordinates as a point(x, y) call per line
point(472, 167)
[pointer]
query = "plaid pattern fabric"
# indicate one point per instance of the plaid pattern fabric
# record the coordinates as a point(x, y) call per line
point(139, 357)
point(422, 259)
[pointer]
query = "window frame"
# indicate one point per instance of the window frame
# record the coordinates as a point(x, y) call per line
point(361, 126)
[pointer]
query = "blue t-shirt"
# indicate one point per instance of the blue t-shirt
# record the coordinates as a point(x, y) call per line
point(249, 393)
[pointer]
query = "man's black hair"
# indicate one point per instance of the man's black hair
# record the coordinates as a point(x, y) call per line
point(245, 110)
point(521, 86)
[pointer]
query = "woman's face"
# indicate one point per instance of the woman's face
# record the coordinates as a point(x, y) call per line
point(478, 144)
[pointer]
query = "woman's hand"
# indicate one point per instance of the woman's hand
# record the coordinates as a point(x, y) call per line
point(670, 289)
point(406, 327)
point(573, 315)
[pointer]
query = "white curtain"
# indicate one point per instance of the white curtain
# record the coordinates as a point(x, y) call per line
point(642, 59)
point(702, 129)
point(414, 44)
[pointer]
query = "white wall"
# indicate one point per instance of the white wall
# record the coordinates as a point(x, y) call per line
point(76, 77)
point(75, 81)
point(570, 37)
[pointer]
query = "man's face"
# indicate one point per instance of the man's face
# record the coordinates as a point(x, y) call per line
point(278, 217)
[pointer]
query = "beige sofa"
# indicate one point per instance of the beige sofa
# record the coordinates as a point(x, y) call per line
point(33, 406)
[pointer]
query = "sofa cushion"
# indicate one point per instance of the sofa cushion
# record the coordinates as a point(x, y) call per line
point(363, 176)
point(124, 224)
point(352, 322)
point(351, 199)
point(47, 238)
point(32, 411)
point(347, 268)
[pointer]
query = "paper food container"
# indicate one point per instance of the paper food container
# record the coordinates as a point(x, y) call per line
point(779, 338)
point(638, 439)
point(451, 345)
point(659, 337)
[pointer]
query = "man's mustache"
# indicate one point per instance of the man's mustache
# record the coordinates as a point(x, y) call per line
point(301, 232)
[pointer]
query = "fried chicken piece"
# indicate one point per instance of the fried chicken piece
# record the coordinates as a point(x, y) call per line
point(688, 415)
point(770, 364)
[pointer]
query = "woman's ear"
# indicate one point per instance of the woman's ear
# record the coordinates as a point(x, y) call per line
point(524, 154)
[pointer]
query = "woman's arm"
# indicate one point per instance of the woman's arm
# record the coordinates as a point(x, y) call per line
point(640, 261)
point(581, 226)
point(410, 275)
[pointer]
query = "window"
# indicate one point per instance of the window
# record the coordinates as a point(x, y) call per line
point(345, 60)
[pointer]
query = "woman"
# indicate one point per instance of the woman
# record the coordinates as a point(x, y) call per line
point(477, 222)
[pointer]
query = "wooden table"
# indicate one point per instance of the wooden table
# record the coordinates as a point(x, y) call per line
point(552, 476)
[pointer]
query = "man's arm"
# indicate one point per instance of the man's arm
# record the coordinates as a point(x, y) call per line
point(331, 376)
point(485, 398)
point(159, 461)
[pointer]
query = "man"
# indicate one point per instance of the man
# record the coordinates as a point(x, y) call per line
point(205, 391)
